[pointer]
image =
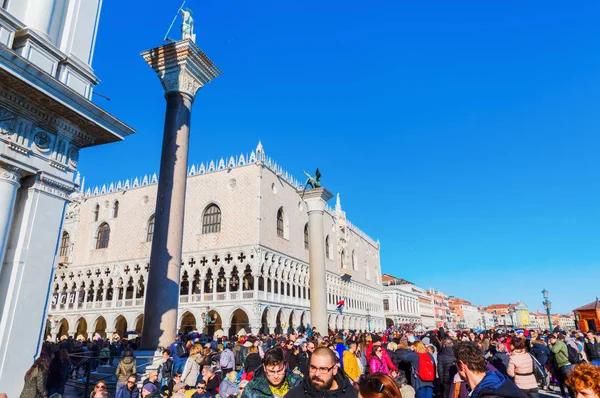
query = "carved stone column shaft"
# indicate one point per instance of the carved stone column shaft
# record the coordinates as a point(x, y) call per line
point(183, 69)
point(315, 203)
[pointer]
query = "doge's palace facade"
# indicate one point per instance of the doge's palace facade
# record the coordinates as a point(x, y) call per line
point(245, 256)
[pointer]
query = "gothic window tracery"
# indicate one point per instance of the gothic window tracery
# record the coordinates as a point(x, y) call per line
point(65, 242)
point(150, 229)
point(211, 220)
point(280, 223)
point(103, 236)
point(306, 236)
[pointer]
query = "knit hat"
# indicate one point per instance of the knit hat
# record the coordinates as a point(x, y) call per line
point(149, 387)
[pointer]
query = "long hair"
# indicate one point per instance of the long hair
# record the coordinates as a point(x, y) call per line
point(420, 347)
point(368, 384)
point(42, 364)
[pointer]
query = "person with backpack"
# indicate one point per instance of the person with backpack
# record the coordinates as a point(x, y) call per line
point(227, 359)
point(423, 369)
point(560, 353)
point(165, 369)
point(179, 352)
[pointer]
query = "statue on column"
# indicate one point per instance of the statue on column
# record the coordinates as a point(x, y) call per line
point(187, 26)
point(314, 182)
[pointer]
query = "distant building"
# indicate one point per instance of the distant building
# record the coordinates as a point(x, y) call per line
point(442, 314)
point(510, 315)
point(406, 303)
point(466, 314)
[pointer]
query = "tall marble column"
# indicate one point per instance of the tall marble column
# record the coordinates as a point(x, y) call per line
point(182, 69)
point(9, 184)
point(315, 202)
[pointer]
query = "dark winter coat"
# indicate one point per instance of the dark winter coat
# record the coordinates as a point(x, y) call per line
point(592, 349)
point(445, 364)
point(306, 389)
point(252, 362)
point(540, 351)
point(495, 384)
point(500, 362)
point(259, 386)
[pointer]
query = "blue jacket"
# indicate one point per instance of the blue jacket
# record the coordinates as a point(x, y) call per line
point(340, 348)
point(125, 393)
point(541, 353)
point(495, 384)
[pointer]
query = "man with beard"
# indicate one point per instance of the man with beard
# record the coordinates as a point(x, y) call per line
point(324, 378)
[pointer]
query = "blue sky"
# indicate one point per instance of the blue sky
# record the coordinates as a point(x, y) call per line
point(463, 135)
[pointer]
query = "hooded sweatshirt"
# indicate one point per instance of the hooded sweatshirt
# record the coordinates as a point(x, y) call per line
point(307, 390)
point(495, 384)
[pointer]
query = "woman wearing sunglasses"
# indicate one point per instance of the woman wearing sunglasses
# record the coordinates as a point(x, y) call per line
point(99, 390)
point(377, 385)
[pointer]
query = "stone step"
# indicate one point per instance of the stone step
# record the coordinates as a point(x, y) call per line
point(107, 369)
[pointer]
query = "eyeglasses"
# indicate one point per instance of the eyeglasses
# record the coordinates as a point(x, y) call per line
point(101, 387)
point(274, 372)
point(320, 370)
point(130, 382)
point(371, 383)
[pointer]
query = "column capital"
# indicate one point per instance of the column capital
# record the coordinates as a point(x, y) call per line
point(181, 67)
point(315, 198)
point(11, 173)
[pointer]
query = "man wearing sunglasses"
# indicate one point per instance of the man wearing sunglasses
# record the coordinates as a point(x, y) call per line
point(273, 379)
point(324, 379)
point(129, 390)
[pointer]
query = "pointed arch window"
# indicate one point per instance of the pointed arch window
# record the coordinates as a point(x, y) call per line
point(116, 209)
point(211, 220)
point(150, 229)
point(306, 236)
point(342, 256)
point(103, 236)
point(327, 251)
point(354, 261)
point(65, 242)
point(280, 228)
point(96, 212)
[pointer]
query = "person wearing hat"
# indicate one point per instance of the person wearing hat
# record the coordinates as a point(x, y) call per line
point(179, 390)
point(150, 391)
point(228, 386)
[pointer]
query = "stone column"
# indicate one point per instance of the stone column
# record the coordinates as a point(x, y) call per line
point(27, 269)
point(182, 69)
point(315, 202)
point(9, 184)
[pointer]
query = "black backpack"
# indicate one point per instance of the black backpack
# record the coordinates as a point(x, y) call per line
point(181, 351)
point(574, 356)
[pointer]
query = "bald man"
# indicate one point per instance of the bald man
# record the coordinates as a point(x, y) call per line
point(324, 374)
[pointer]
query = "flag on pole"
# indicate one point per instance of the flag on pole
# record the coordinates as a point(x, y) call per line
point(340, 305)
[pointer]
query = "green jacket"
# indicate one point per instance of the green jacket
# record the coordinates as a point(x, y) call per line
point(561, 354)
point(259, 386)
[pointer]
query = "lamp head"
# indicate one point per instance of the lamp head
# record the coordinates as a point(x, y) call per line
point(545, 293)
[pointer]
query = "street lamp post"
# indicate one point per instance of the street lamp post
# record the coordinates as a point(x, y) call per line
point(512, 321)
point(548, 306)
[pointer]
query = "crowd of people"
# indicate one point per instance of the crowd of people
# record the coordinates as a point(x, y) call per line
point(396, 363)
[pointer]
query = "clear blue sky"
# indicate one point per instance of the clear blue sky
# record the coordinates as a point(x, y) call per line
point(463, 135)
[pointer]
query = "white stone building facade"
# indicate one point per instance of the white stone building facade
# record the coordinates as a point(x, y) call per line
point(46, 117)
point(245, 251)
